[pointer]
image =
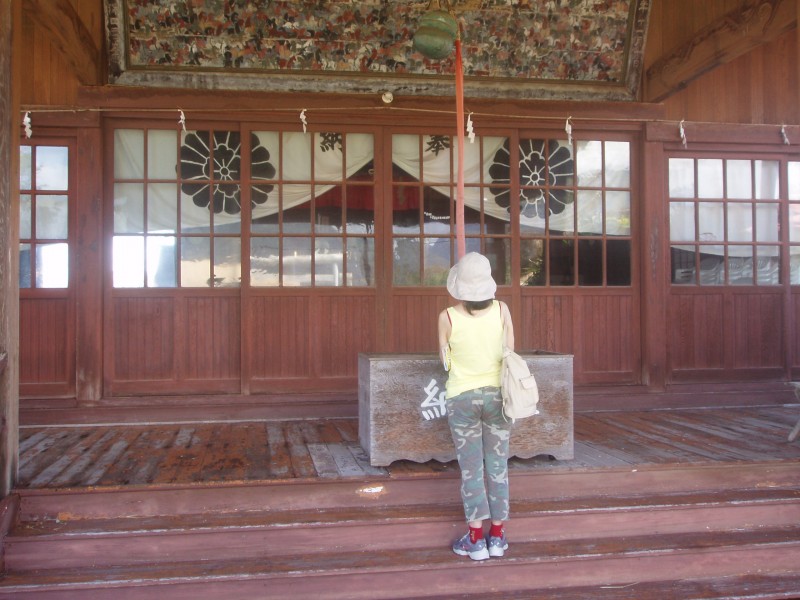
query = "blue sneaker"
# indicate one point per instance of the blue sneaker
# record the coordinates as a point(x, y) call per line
point(498, 545)
point(476, 551)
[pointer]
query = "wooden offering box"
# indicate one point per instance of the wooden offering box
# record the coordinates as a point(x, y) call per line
point(401, 410)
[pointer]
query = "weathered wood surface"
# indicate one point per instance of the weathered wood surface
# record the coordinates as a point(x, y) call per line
point(402, 415)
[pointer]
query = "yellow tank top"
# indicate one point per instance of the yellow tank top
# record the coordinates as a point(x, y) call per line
point(476, 350)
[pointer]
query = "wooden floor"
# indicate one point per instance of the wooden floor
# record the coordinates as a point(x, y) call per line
point(81, 456)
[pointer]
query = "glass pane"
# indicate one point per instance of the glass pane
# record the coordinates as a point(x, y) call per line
point(328, 210)
point(472, 220)
point(618, 213)
point(328, 157)
point(436, 214)
point(711, 221)
point(195, 262)
point(162, 261)
point(436, 153)
point(128, 208)
point(794, 180)
point(712, 268)
point(267, 219)
point(767, 179)
point(493, 225)
point(52, 266)
point(740, 265)
point(128, 261)
point(227, 203)
point(227, 155)
point(52, 168)
point(162, 154)
point(683, 267)
point(590, 212)
point(740, 222)
point(767, 222)
point(472, 163)
point(360, 261)
point(562, 262)
point(794, 222)
point(739, 179)
point(768, 265)
point(405, 213)
point(436, 261)
point(264, 262)
point(360, 154)
point(227, 262)
point(681, 178)
point(52, 217)
point(25, 216)
point(681, 221)
point(296, 151)
point(297, 262)
point(128, 154)
point(25, 168)
point(590, 262)
point(498, 251)
point(195, 213)
point(25, 266)
point(618, 262)
point(532, 262)
point(264, 146)
point(794, 267)
point(561, 208)
point(297, 209)
point(618, 164)
point(329, 262)
point(405, 269)
point(360, 209)
point(589, 161)
point(709, 178)
point(195, 156)
point(162, 211)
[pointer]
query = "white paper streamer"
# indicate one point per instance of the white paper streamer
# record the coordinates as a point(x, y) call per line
point(303, 120)
point(182, 120)
point(26, 123)
point(568, 129)
point(784, 135)
point(682, 132)
point(470, 130)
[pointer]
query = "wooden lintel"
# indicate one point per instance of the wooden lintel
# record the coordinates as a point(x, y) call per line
point(69, 35)
point(757, 22)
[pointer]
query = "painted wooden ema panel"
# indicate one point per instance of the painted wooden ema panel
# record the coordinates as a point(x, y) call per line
point(401, 409)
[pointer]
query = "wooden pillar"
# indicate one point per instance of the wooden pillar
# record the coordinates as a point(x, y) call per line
point(9, 248)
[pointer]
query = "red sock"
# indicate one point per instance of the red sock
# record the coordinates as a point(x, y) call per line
point(475, 533)
point(496, 530)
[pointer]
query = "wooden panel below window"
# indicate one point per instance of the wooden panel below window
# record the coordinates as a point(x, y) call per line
point(144, 339)
point(46, 347)
point(345, 327)
point(212, 338)
point(279, 337)
point(413, 320)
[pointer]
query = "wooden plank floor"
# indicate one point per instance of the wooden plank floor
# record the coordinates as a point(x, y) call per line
point(81, 456)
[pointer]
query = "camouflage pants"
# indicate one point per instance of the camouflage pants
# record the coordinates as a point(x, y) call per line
point(481, 435)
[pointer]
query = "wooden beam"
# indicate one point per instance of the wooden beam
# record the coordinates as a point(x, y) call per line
point(69, 35)
point(756, 23)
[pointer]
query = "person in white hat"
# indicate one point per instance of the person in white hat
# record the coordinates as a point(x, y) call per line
point(471, 343)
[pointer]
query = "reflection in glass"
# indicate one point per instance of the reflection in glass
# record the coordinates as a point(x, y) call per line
point(712, 267)
point(360, 261)
point(794, 222)
point(768, 265)
point(195, 262)
point(25, 207)
point(794, 180)
point(25, 169)
point(498, 251)
point(711, 221)
point(739, 179)
point(360, 209)
point(767, 222)
point(270, 222)
point(128, 261)
point(794, 269)
point(436, 212)
point(618, 262)
point(264, 262)
point(740, 222)
point(52, 217)
point(162, 216)
point(532, 262)
point(681, 178)
point(162, 261)
point(683, 266)
point(436, 260)
point(590, 212)
point(562, 262)
point(618, 213)
point(128, 154)
point(589, 161)
point(297, 209)
point(328, 210)
point(709, 178)
point(25, 266)
point(162, 154)
point(227, 262)
point(767, 179)
point(296, 261)
point(405, 266)
point(740, 265)
point(128, 208)
point(329, 262)
point(405, 216)
point(492, 225)
point(52, 168)
point(590, 262)
point(618, 164)
point(52, 265)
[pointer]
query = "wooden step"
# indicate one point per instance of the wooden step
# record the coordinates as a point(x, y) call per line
point(433, 571)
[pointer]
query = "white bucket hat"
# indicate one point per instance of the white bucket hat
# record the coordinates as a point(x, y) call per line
point(470, 279)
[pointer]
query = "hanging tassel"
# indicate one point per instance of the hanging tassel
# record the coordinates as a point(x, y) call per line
point(682, 132)
point(26, 123)
point(182, 120)
point(785, 136)
point(303, 120)
point(568, 129)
